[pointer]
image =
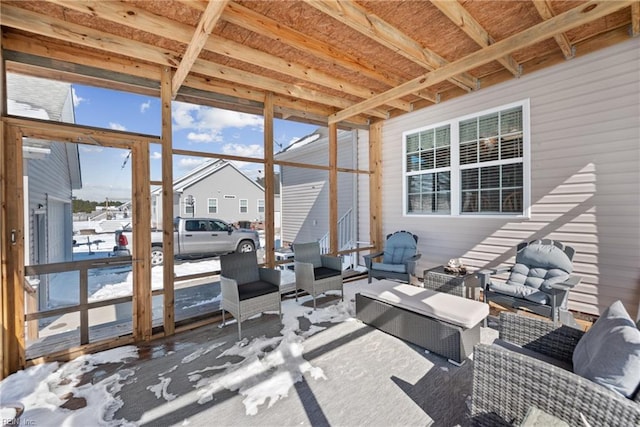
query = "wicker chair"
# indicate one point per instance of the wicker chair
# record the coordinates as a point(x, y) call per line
point(507, 384)
point(398, 258)
point(316, 273)
point(247, 289)
point(539, 281)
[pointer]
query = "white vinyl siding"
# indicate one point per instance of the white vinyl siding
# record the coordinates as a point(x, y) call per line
point(585, 175)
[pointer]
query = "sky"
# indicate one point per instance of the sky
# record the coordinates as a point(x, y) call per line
point(106, 172)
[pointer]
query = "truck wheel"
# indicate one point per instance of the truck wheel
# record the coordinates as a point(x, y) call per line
point(157, 256)
point(246, 246)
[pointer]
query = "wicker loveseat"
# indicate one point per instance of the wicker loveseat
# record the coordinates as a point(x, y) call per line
point(538, 373)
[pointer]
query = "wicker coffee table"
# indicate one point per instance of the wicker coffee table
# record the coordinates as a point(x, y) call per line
point(439, 280)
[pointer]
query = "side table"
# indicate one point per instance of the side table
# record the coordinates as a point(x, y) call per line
point(437, 279)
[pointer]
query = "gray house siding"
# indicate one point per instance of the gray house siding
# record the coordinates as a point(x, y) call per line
point(305, 192)
point(585, 176)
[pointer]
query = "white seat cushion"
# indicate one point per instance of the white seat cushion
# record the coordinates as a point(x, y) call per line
point(438, 305)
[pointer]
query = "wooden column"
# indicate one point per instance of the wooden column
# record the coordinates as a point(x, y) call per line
point(269, 183)
point(375, 179)
point(13, 346)
point(333, 188)
point(167, 202)
point(141, 242)
point(3, 210)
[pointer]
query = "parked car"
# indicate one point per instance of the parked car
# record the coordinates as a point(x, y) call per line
point(193, 238)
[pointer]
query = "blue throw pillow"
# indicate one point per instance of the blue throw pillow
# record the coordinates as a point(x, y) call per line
point(609, 352)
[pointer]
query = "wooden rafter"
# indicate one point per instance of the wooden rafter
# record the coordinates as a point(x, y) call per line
point(570, 19)
point(246, 18)
point(172, 30)
point(209, 18)
point(467, 23)
point(546, 12)
point(356, 17)
point(635, 19)
point(50, 27)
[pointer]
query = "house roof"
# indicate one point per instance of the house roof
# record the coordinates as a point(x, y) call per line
point(342, 62)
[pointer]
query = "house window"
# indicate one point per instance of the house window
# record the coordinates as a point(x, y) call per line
point(473, 165)
point(189, 205)
point(260, 206)
point(244, 206)
point(212, 206)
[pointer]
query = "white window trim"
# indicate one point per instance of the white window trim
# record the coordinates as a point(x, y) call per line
point(240, 205)
point(209, 205)
point(455, 164)
point(185, 205)
point(263, 206)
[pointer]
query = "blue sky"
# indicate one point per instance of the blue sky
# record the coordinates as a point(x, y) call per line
point(106, 172)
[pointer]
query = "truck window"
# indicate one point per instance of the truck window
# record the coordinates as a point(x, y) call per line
point(191, 226)
point(218, 226)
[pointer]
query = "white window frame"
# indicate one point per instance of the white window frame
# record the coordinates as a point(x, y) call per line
point(186, 206)
point(215, 205)
point(261, 206)
point(455, 167)
point(246, 207)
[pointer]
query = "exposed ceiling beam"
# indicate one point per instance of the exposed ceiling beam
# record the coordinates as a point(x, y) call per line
point(358, 18)
point(84, 36)
point(635, 19)
point(209, 18)
point(467, 23)
point(142, 20)
point(570, 19)
point(246, 18)
point(546, 12)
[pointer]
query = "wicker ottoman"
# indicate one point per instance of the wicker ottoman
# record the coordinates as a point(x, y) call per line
point(444, 324)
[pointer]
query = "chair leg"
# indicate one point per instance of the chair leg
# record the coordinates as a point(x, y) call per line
point(223, 319)
point(239, 331)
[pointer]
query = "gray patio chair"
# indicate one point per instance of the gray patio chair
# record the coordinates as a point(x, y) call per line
point(399, 258)
point(316, 273)
point(531, 366)
point(539, 281)
point(247, 289)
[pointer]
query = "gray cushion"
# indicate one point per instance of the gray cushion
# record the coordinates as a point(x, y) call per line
point(399, 247)
point(520, 291)
point(544, 256)
point(395, 268)
point(609, 352)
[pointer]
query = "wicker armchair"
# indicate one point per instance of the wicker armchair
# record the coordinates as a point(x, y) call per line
point(399, 258)
point(316, 273)
point(506, 384)
point(247, 290)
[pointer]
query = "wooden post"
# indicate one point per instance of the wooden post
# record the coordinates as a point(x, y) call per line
point(375, 190)
point(333, 188)
point(167, 203)
point(3, 211)
point(142, 308)
point(269, 183)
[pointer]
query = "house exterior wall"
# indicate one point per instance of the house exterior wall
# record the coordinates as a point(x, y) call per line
point(226, 181)
point(585, 176)
point(305, 192)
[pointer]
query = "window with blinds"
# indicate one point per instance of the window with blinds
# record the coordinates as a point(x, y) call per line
point(478, 168)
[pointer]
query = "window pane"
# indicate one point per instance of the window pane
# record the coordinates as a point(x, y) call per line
point(512, 175)
point(413, 143)
point(426, 140)
point(427, 183)
point(426, 160)
point(490, 201)
point(444, 181)
point(469, 179)
point(512, 201)
point(413, 203)
point(443, 137)
point(469, 201)
point(511, 120)
point(488, 149)
point(428, 203)
point(488, 125)
point(511, 147)
point(469, 130)
point(444, 202)
point(413, 184)
point(468, 153)
point(490, 177)
point(443, 157)
point(413, 163)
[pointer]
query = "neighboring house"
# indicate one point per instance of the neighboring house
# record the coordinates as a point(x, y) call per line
point(51, 171)
point(568, 169)
point(215, 189)
point(305, 191)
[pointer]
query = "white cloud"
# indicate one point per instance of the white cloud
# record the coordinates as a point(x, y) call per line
point(211, 121)
point(203, 137)
point(76, 99)
point(91, 149)
point(145, 106)
point(190, 163)
point(253, 150)
point(116, 126)
point(156, 155)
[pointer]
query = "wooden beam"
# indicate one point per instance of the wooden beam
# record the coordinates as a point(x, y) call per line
point(570, 19)
point(269, 184)
point(467, 23)
point(172, 30)
point(208, 20)
point(375, 185)
point(333, 189)
point(84, 36)
point(546, 12)
point(166, 135)
point(358, 18)
point(635, 19)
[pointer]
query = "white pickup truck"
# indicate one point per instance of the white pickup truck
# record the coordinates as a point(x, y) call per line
point(194, 238)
